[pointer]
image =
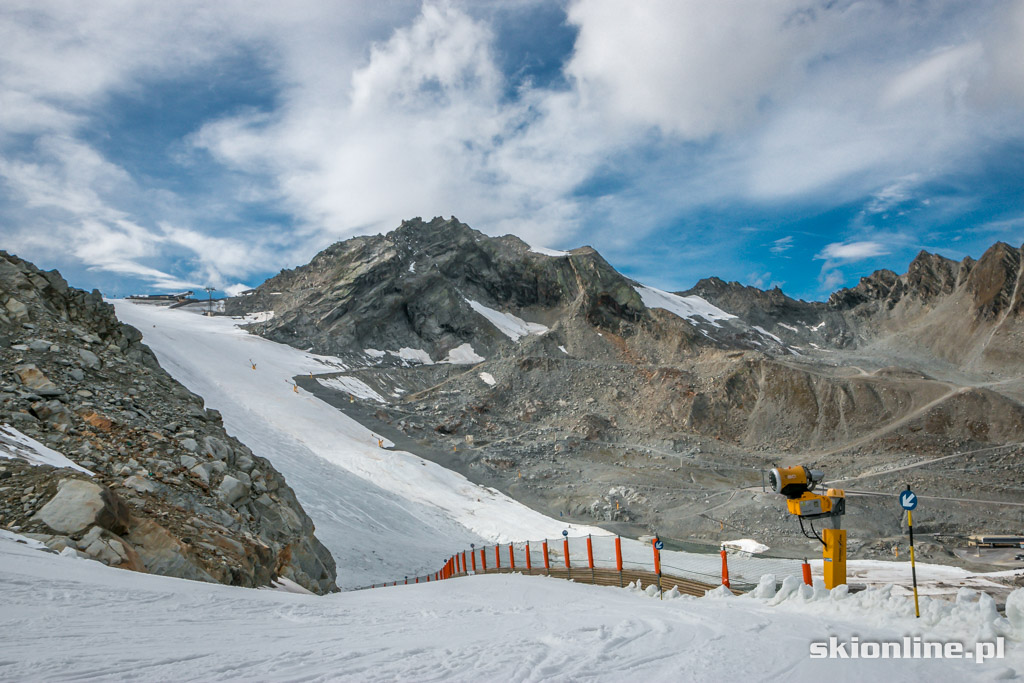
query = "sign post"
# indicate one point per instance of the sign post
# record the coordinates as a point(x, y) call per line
point(658, 545)
point(908, 501)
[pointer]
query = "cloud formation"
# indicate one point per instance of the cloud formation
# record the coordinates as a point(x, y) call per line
point(662, 112)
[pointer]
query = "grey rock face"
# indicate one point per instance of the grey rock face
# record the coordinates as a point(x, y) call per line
point(231, 490)
point(80, 504)
point(75, 379)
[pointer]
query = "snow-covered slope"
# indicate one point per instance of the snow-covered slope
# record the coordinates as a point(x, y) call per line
point(382, 513)
point(69, 619)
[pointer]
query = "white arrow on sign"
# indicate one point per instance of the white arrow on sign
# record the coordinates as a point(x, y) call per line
point(908, 500)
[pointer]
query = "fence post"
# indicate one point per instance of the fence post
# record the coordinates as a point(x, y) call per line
point(464, 570)
point(590, 559)
point(618, 558)
point(565, 548)
point(497, 557)
point(807, 573)
point(511, 557)
point(472, 557)
point(657, 560)
point(529, 564)
point(725, 569)
point(483, 559)
point(547, 563)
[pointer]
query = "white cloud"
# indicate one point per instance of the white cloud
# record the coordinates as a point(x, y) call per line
point(852, 251)
point(390, 110)
point(782, 245)
point(236, 289)
point(689, 67)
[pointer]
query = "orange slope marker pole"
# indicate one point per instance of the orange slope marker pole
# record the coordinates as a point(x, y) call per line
point(511, 557)
point(529, 565)
point(547, 562)
point(565, 547)
point(618, 558)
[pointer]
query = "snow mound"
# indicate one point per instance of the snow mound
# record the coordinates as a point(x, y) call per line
point(258, 317)
point(745, 545)
point(351, 385)
point(686, 307)
point(17, 446)
point(511, 326)
point(464, 354)
point(488, 378)
point(413, 355)
point(548, 252)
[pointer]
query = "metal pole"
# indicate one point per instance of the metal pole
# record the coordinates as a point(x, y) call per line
point(913, 567)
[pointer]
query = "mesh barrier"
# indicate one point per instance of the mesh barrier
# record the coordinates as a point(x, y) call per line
point(610, 560)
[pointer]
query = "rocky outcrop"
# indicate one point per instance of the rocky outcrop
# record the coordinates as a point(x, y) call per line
point(170, 491)
point(413, 288)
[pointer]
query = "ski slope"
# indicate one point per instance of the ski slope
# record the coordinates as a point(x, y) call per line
point(382, 513)
point(71, 619)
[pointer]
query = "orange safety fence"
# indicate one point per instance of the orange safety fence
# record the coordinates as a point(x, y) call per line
point(689, 572)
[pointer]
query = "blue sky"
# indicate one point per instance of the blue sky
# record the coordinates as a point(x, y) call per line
point(154, 146)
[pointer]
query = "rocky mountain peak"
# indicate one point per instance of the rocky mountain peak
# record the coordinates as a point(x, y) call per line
point(994, 281)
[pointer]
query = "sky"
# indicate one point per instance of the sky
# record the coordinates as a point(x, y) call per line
point(149, 147)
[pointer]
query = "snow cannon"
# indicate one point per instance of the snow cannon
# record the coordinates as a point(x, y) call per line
point(793, 482)
point(797, 484)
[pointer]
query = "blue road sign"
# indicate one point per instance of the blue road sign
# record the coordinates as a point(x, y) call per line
point(908, 500)
point(659, 545)
point(565, 532)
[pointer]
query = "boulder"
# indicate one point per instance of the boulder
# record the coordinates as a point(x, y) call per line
point(16, 308)
point(111, 550)
point(80, 504)
point(91, 360)
point(34, 380)
point(163, 553)
point(231, 489)
point(140, 484)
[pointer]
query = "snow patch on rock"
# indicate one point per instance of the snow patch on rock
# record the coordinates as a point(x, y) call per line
point(17, 446)
point(511, 326)
point(686, 307)
point(351, 385)
point(464, 354)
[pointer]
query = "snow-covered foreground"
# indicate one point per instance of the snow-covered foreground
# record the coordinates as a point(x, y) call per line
point(70, 619)
point(383, 514)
